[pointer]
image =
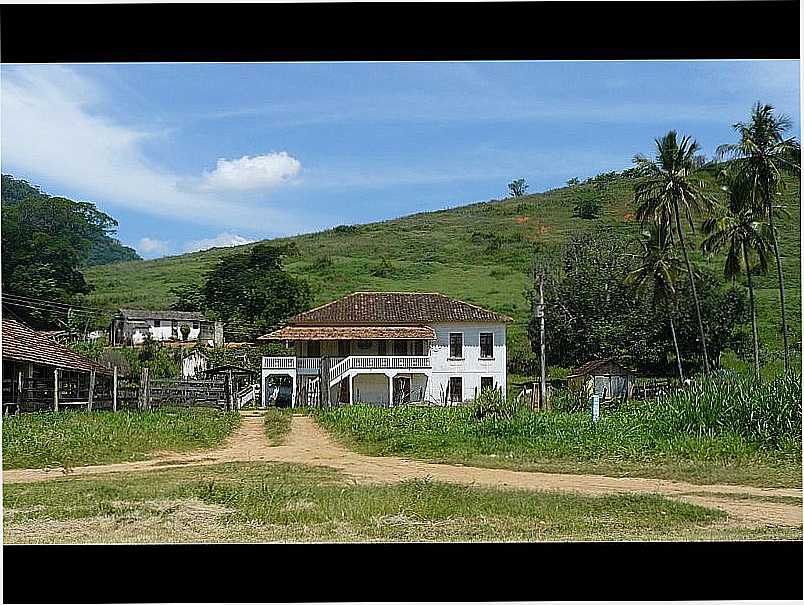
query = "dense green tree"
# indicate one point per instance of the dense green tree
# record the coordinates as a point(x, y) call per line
point(103, 247)
point(760, 158)
point(594, 310)
point(252, 292)
point(44, 244)
point(668, 185)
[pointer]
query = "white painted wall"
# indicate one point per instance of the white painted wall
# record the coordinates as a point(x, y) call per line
point(165, 330)
point(193, 365)
point(471, 367)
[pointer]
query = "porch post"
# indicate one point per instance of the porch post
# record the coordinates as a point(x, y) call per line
point(351, 388)
point(295, 379)
point(56, 390)
point(91, 395)
point(390, 390)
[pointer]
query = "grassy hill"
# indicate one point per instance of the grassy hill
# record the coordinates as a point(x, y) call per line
point(481, 253)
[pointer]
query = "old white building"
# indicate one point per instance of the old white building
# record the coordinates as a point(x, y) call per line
point(387, 348)
point(134, 326)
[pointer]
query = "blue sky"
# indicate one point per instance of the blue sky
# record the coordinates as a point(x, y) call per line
point(187, 156)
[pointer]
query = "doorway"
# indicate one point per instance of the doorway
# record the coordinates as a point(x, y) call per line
point(401, 390)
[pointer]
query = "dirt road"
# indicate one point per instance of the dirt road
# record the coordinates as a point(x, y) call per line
point(309, 444)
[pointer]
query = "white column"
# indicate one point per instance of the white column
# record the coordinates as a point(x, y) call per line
point(351, 388)
point(390, 390)
point(295, 378)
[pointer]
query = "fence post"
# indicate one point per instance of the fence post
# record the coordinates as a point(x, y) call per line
point(114, 390)
point(56, 390)
point(145, 388)
point(91, 390)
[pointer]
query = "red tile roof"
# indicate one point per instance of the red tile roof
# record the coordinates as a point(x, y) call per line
point(395, 309)
point(22, 343)
point(350, 333)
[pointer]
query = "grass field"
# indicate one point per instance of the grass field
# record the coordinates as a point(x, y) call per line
point(284, 502)
point(481, 253)
point(54, 439)
point(724, 431)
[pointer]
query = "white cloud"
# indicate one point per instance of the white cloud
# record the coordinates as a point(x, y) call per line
point(54, 128)
point(259, 172)
point(222, 240)
point(150, 247)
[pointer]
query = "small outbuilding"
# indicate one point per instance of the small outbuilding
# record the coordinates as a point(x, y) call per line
point(603, 377)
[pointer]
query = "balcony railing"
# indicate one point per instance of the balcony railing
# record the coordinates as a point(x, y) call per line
point(339, 365)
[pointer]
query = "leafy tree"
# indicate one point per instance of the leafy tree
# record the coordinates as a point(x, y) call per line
point(668, 185)
point(185, 331)
point(594, 310)
point(188, 298)
point(252, 291)
point(518, 187)
point(44, 243)
point(740, 228)
point(103, 247)
point(589, 204)
point(657, 269)
point(573, 181)
point(761, 157)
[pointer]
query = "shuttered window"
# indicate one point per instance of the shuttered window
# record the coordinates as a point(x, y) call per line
point(343, 348)
point(418, 347)
point(486, 383)
point(382, 347)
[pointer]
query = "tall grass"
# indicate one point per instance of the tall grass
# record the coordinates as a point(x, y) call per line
point(73, 438)
point(724, 419)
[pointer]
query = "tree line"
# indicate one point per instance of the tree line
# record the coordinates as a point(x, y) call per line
point(607, 299)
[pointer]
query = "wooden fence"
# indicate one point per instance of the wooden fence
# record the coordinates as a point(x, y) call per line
point(61, 391)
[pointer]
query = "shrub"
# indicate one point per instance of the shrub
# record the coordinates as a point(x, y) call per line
point(492, 403)
point(570, 401)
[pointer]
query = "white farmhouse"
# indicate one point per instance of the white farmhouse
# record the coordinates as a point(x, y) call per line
point(134, 326)
point(387, 348)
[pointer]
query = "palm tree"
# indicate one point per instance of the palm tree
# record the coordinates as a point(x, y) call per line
point(659, 266)
point(670, 185)
point(741, 229)
point(761, 156)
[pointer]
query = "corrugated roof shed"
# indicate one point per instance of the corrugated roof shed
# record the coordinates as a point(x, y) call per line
point(22, 343)
point(395, 309)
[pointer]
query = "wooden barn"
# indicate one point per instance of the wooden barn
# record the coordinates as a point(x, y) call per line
point(603, 377)
point(39, 373)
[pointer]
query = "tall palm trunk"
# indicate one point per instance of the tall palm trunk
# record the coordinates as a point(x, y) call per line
point(675, 345)
point(780, 276)
point(692, 286)
point(753, 312)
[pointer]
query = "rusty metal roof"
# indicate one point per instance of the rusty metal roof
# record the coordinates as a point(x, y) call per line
point(395, 309)
point(351, 333)
point(590, 366)
point(142, 314)
point(22, 343)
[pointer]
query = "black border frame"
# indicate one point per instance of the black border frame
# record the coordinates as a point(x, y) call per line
point(400, 31)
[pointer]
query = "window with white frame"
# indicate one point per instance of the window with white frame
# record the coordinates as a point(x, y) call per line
point(456, 345)
point(486, 345)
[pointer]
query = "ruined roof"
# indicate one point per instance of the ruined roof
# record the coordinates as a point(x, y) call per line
point(351, 333)
point(22, 343)
point(395, 309)
point(591, 366)
point(177, 315)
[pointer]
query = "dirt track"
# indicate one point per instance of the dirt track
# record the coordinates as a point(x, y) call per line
point(308, 444)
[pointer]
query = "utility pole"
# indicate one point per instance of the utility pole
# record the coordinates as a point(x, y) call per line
point(543, 383)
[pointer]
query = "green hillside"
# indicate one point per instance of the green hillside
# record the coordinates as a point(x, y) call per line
point(481, 253)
